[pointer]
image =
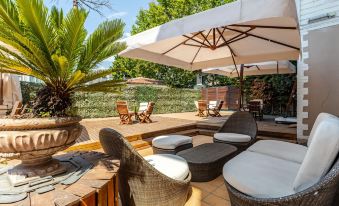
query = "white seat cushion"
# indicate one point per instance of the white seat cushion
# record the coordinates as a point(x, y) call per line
point(260, 175)
point(280, 149)
point(171, 141)
point(320, 155)
point(232, 137)
point(172, 166)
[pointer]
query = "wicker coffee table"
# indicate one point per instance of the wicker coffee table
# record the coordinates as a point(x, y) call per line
point(206, 161)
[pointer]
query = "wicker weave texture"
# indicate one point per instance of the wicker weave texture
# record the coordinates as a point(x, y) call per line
point(207, 160)
point(240, 123)
point(140, 184)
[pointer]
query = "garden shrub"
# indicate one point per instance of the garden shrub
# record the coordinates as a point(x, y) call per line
point(100, 105)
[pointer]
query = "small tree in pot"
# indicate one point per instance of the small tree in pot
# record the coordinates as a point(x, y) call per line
point(56, 49)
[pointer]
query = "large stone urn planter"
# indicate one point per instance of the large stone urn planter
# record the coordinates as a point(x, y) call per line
point(34, 141)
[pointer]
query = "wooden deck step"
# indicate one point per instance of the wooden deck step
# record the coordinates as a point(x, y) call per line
point(207, 132)
point(140, 143)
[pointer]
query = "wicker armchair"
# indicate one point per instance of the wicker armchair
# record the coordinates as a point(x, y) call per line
point(140, 184)
point(321, 194)
point(240, 123)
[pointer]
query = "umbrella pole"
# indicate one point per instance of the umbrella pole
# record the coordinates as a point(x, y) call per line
point(1, 90)
point(241, 84)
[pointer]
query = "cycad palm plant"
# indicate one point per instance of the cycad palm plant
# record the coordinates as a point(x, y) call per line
point(56, 49)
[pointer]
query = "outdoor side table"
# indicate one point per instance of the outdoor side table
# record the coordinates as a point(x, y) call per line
point(97, 186)
point(207, 160)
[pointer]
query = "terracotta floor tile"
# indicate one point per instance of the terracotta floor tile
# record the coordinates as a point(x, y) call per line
point(222, 192)
point(204, 186)
point(214, 200)
point(219, 181)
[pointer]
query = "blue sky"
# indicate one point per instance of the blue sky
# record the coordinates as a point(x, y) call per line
point(126, 10)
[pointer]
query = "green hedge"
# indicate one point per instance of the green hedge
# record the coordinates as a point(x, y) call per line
point(94, 105)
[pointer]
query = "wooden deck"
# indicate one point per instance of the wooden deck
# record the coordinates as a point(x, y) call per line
point(140, 135)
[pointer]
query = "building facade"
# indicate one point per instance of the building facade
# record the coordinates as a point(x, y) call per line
point(318, 67)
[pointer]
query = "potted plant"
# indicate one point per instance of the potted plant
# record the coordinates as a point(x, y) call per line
point(56, 49)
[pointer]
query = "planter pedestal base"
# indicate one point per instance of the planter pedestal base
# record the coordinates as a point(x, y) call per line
point(24, 172)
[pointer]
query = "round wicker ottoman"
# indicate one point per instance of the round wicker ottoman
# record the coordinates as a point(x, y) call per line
point(171, 144)
point(207, 160)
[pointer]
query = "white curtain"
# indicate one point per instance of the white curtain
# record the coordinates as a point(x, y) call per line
point(11, 89)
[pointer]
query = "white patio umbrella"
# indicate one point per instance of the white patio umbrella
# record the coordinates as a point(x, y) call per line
point(262, 68)
point(241, 32)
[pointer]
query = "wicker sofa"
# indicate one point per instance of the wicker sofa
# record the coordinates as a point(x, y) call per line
point(140, 183)
point(285, 174)
point(239, 130)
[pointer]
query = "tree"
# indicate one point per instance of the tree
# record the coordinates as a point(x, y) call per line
point(55, 49)
point(160, 12)
point(95, 5)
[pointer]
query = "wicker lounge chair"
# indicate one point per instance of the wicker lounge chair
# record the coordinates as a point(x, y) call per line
point(239, 130)
point(279, 173)
point(144, 116)
point(203, 109)
point(140, 184)
point(124, 114)
point(216, 110)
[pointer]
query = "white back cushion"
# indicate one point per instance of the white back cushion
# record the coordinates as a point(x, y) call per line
point(213, 104)
point(196, 104)
point(320, 117)
point(143, 106)
point(320, 155)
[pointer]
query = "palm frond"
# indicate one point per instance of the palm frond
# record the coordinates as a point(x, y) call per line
point(74, 35)
point(34, 15)
point(9, 15)
point(104, 36)
point(96, 75)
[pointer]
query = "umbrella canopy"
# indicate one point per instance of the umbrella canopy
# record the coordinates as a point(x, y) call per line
point(10, 89)
point(263, 68)
point(241, 32)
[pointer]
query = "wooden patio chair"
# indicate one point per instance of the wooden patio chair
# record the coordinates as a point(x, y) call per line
point(124, 114)
point(255, 108)
point(216, 110)
point(144, 117)
point(202, 108)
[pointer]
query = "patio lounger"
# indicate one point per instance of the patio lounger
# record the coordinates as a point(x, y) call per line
point(171, 144)
point(124, 114)
point(239, 130)
point(287, 174)
point(154, 180)
point(216, 110)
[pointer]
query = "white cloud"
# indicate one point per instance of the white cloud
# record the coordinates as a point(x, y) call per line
point(117, 14)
